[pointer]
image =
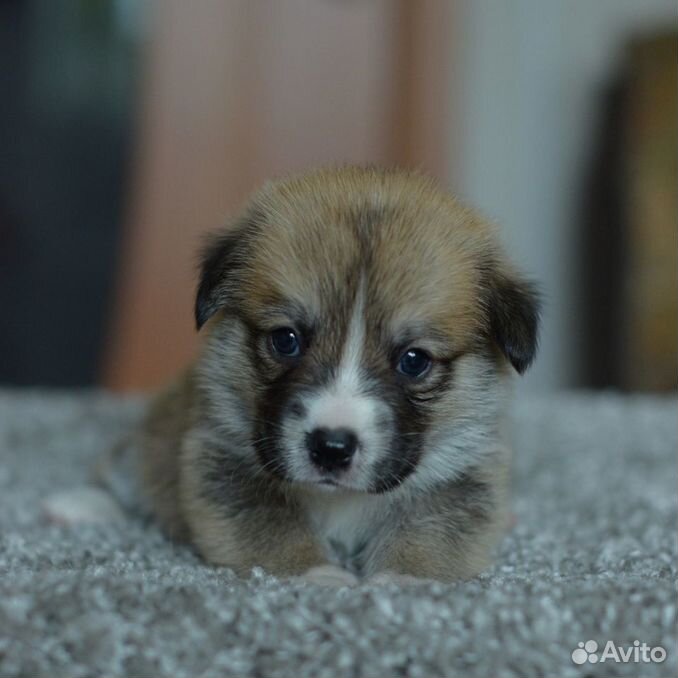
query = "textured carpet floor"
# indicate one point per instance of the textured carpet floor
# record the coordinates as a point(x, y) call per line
point(592, 557)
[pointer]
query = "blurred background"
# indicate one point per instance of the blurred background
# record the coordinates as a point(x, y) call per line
point(129, 128)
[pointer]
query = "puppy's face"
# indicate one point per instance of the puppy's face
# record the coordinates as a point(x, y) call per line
point(366, 321)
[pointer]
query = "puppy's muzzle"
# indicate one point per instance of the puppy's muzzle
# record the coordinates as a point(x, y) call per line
point(331, 449)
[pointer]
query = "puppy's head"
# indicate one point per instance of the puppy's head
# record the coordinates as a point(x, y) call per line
point(364, 322)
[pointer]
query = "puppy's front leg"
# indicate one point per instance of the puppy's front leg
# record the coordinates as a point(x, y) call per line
point(252, 537)
point(237, 521)
point(451, 535)
point(432, 553)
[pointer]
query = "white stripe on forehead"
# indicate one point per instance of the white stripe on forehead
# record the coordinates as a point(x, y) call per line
point(343, 403)
point(348, 371)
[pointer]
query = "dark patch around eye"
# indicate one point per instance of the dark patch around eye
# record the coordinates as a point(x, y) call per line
point(411, 405)
point(410, 421)
point(270, 406)
point(439, 381)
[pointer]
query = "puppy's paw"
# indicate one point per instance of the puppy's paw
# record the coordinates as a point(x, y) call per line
point(82, 505)
point(388, 577)
point(327, 575)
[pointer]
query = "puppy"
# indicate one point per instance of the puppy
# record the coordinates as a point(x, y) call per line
point(346, 406)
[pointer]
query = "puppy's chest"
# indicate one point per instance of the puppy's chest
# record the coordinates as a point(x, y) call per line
point(350, 530)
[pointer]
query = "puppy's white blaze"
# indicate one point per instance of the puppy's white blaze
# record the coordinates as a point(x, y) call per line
point(343, 404)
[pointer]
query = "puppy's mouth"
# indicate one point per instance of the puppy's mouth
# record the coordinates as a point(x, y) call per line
point(330, 485)
point(349, 480)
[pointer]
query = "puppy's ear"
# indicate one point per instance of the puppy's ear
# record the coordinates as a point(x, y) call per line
point(221, 260)
point(514, 318)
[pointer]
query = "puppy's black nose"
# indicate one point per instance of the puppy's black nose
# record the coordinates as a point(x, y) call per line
point(331, 449)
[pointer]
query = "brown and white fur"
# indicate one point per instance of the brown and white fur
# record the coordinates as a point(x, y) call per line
point(363, 266)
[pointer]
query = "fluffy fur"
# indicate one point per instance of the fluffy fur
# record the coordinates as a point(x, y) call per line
point(363, 265)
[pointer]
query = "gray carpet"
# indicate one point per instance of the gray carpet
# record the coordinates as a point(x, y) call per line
point(592, 557)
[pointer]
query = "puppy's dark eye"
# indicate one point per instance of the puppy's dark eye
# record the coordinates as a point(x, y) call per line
point(286, 342)
point(414, 363)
